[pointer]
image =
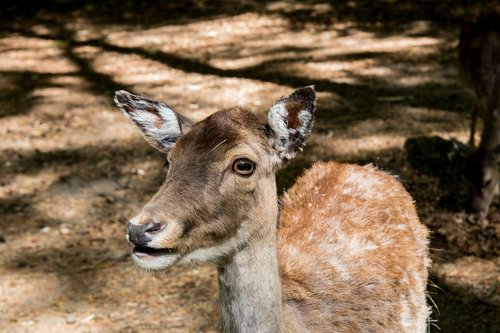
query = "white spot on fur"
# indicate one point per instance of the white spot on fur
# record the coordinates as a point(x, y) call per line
point(387, 243)
point(292, 251)
point(404, 279)
point(340, 267)
point(356, 246)
point(400, 227)
point(405, 318)
point(365, 186)
point(416, 277)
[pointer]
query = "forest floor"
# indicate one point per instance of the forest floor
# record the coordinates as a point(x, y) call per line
point(73, 170)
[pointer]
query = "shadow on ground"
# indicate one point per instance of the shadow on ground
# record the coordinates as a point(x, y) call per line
point(440, 158)
point(430, 157)
point(458, 311)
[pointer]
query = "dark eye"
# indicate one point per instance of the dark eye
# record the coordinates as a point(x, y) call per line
point(243, 167)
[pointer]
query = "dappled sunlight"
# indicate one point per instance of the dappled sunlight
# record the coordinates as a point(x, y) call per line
point(368, 137)
point(75, 200)
point(205, 37)
point(38, 291)
point(189, 93)
point(237, 44)
point(476, 275)
point(393, 119)
point(75, 127)
point(360, 148)
point(33, 54)
point(48, 299)
point(29, 294)
point(74, 170)
point(27, 184)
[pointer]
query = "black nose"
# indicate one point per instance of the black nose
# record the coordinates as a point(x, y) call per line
point(137, 233)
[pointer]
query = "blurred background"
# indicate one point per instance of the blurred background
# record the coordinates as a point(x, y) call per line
point(73, 170)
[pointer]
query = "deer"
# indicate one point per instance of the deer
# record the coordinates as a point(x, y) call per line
point(479, 57)
point(344, 252)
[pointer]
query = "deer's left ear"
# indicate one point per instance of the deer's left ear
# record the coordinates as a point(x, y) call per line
point(290, 120)
point(160, 125)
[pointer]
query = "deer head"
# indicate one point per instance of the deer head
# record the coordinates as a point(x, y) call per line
point(481, 167)
point(220, 192)
point(481, 173)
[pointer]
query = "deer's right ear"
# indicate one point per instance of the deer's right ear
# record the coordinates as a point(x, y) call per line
point(160, 125)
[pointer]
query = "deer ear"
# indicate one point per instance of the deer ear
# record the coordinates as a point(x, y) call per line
point(290, 120)
point(160, 125)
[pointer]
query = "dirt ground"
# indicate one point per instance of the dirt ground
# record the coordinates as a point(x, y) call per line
point(73, 170)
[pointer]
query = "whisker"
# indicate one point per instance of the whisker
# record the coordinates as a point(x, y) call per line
point(217, 146)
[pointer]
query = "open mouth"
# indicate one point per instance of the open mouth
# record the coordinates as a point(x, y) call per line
point(149, 251)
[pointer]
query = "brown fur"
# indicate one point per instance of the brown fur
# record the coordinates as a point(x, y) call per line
point(348, 253)
point(329, 207)
point(193, 161)
point(334, 285)
point(293, 109)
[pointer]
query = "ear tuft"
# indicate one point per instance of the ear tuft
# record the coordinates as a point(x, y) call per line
point(290, 120)
point(121, 97)
point(160, 125)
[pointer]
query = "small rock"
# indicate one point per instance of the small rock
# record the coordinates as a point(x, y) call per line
point(88, 318)
point(21, 264)
point(102, 163)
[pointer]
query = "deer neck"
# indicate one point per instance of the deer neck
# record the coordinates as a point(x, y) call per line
point(249, 285)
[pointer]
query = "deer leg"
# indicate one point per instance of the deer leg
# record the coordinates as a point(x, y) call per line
point(475, 111)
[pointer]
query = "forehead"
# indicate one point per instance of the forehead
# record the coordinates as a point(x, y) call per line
point(229, 128)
